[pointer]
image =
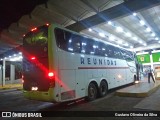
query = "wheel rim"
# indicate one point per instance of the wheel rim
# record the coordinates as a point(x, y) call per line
point(92, 92)
point(103, 89)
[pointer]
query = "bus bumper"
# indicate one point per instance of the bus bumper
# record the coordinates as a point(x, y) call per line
point(40, 95)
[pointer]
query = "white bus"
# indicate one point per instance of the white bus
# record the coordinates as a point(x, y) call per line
point(60, 65)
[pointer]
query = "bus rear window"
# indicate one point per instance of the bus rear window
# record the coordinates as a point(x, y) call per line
point(36, 42)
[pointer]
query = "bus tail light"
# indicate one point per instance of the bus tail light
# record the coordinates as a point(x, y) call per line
point(33, 58)
point(50, 74)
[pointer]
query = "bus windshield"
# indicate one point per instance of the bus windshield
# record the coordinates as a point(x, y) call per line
point(36, 42)
point(35, 59)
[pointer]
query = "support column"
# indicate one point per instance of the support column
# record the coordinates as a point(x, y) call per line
point(3, 72)
point(12, 73)
point(0, 75)
point(151, 60)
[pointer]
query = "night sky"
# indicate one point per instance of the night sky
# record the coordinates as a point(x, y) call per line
point(12, 10)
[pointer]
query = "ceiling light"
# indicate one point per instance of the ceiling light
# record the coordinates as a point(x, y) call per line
point(119, 29)
point(90, 29)
point(128, 34)
point(131, 46)
point(126, 44)
point(111, 38)
point(148, 29)
point(135, 38)
point(103, 49)
point(145, 44)
point(109, 22)
point(140, 41)
point(156, 38)
point(102, 34)
point(70, 40)
point(142, 22)
point(120, 42)
point(153, 34)
point(134, 14)
point(158, 41)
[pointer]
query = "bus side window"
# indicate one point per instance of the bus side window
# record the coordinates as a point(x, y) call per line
point(111, 51)
point(89, 47)
point(117, 53)
point(60, 38)
point(76, 43)
point(127, 55)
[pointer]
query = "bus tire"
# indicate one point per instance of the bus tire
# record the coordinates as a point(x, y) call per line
point(92, 92)
point(103, 89)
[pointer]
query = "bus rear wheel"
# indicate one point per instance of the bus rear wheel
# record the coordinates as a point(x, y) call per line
point(103, 89)
point(92, 92)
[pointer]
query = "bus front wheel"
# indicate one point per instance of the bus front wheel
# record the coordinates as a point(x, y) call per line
point(92, 92)
point(103, 88)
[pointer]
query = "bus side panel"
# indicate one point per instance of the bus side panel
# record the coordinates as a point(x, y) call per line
point(53, 61)
point(67, 75)
point(80, 83)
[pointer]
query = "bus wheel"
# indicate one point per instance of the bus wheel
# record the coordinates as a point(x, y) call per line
point(103, 89)
point(92, 92)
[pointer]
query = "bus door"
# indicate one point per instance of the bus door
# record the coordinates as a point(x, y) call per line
point(129, 59)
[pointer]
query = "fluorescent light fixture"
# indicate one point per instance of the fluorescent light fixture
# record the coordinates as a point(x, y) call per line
point(120, 42)
point(142, 22)
point(148, 29)
point(134, 14)
point(144, 44)
point(103, 49)
point(111, 38)
point(90, 29)
point(84, 43)
point(94, 46)
point(70, 41)
point(109, 22)
point(156, 38)
point(131, 46)
point(119, 29)
point(70, 49)
point(135, 38)
point(153, 34)
point(140, 41)
point(126, 44)
point(102, 34)
point(128, 34)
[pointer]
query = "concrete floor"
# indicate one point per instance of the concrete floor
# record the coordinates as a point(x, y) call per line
point(13, 100)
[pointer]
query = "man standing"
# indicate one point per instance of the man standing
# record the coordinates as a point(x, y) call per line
point(150, 74)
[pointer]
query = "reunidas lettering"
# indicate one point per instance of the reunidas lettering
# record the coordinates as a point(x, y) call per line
point(97, 61)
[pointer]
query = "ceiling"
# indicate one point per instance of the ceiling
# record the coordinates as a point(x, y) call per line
point(109, 20)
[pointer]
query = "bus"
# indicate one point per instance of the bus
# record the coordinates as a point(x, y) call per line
point(60, 65)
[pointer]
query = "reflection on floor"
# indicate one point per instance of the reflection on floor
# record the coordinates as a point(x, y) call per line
point(141, 89)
